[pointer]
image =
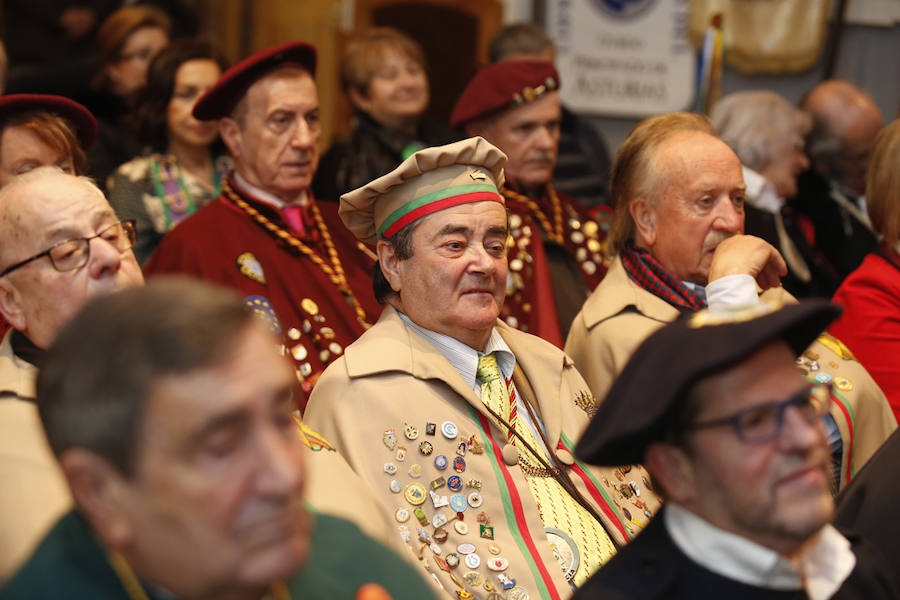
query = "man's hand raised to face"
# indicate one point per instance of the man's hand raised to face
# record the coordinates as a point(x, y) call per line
point(750, 255)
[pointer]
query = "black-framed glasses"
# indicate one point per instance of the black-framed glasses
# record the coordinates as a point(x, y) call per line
point(74, 254)
point(764, 422)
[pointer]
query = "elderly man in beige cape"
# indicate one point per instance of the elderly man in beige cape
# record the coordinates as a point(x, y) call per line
point(462, 424)
point(679, 244)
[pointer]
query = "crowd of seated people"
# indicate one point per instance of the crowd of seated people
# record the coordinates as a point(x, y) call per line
point(424, 362)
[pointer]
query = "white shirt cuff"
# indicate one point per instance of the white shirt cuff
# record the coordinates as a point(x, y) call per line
point(732, 291)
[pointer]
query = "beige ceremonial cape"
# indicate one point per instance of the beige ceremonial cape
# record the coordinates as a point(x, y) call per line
point(33, 492)
point(619, 315)
point(383, 394)
point(333, 488)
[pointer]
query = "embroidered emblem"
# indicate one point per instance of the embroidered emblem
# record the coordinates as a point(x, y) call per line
point(836, 346)
point(587, 403)
point(262, 309)
point(250, 268)
point(313, 440)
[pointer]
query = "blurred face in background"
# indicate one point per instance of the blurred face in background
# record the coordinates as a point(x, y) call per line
point(397, 94)
point(529, 135)
point(129, 73)
point(192, 80)
point(788, 162)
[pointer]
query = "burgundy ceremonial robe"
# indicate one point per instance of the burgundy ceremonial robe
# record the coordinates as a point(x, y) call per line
point(550, 281)
point(223, 244)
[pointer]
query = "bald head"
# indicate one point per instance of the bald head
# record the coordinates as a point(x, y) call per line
point(39, 211)
point(845, 123)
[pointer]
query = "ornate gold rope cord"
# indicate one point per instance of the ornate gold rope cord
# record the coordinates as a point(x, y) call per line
point(555, 232)
point(335, 271)
point(557, 473)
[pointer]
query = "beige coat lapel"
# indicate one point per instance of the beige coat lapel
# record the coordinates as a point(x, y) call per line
point(398, 348)
point(617, 292)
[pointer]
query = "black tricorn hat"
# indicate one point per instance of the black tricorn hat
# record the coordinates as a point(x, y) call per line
point(649, 391)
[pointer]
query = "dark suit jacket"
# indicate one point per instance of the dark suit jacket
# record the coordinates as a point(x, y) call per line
point(824, 280)
point(841, 238)
point(868, 506)
point(652, 567)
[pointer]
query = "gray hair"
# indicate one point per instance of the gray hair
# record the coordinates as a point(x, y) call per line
point(755, 123)
point(520, 38)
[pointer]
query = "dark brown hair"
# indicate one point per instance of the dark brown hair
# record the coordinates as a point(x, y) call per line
point(99, 374)
point(153, 100)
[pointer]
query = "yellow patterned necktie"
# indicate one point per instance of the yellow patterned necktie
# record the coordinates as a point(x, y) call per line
point(557, 508)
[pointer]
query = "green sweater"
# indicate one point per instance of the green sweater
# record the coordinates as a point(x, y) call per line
point(70, 563)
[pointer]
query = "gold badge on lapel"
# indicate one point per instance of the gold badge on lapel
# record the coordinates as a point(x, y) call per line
point(587, 403)
point(250, 268)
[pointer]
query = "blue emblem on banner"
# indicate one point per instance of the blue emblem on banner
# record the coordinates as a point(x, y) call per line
point(625, 9)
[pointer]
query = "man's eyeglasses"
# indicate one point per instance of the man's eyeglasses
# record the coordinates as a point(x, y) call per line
point(74, 254)
point(764, 422)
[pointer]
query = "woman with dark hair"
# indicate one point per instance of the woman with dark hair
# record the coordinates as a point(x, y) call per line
point(181, 174)
point(126, 43)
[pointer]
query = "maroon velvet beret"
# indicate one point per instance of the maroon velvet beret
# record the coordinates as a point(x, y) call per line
point(503, 84)
point(84, 122)
point(221, 99)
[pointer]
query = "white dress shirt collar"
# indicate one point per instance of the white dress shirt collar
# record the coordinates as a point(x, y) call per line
point(821, 568)
point(760, 192)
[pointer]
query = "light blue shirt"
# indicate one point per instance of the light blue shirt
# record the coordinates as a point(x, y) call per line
point(465, 360)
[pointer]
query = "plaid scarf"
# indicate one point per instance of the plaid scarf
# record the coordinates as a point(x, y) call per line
point(649, 274)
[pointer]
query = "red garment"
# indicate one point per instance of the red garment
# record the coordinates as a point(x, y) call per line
point(3, 327)
point(548, 282)
point(223, 244)
point(870, 324)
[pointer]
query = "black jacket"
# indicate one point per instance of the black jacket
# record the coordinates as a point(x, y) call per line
point(652, 566)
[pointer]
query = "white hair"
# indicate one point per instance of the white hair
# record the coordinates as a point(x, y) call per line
point(756, 123)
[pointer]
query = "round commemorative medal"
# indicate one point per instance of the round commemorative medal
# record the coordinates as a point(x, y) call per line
point(415, 494)
point(449, 430)
point(565, 550)
point(458, 502)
